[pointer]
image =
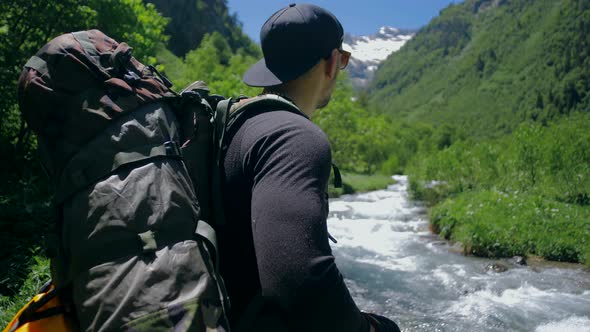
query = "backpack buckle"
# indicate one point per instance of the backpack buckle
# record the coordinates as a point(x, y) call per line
point(131, 77)
point(162, 78)
point(148, 241)
point(172, 149)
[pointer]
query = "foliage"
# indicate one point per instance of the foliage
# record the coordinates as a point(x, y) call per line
point(538, 167)
point(504, 224)
point(360, 141)
point(356, 183)
point(134, 22)
point(191, 20)
point(25, 220)
point(552, 161)
point(35, 279)
point(213, 62)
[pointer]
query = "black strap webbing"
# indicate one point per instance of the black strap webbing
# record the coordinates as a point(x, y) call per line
point(127, 245)
point(337, 176)
point(247, 320)
point(38, 315)
point(88, 167)
point(266, 102)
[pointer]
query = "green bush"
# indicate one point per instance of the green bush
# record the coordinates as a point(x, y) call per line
point(488, 191)
point(500, 224)
point(354, 183)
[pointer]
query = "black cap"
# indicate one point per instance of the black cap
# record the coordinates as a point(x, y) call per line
point(293, 40)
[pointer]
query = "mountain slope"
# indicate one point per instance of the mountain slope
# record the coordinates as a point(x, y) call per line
point(488, 65)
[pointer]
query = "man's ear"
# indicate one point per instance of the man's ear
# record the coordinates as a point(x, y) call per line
point(331, 68)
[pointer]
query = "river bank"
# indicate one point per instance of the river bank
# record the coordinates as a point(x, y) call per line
point(525, 193)
point(496, 224)
point(359, 183)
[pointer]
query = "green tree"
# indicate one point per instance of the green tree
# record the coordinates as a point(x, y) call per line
point(133, 21)
point(360, 141)
point(25, 26)
point(215, 63)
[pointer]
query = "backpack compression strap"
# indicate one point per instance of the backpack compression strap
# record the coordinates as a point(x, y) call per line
point(98, 164)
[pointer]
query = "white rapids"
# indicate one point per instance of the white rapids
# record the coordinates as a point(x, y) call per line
point(394, 266)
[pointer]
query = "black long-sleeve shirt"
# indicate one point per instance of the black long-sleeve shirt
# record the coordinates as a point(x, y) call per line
point(275, 240)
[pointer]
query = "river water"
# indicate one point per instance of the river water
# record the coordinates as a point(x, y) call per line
point(394, 266)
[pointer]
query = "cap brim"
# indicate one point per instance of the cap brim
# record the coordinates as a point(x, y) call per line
point(260, 76)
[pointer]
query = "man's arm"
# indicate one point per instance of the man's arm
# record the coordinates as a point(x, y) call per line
point(291, 166)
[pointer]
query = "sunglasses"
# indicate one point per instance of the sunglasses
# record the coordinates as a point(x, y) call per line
point(344, 58)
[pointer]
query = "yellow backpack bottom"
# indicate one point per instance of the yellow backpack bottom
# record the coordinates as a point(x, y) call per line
point(45, 312)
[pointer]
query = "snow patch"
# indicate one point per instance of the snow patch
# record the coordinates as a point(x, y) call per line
point(369, 51)
point(376, 49)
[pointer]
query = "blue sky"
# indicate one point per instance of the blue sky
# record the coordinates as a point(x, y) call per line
point(359, 17)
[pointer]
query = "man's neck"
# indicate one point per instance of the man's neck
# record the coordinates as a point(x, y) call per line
point(303, 101)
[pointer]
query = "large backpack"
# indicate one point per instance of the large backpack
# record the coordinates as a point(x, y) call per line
point(137, 171)
point(134, 249)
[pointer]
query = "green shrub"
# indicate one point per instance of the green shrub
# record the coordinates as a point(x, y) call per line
point(498, 224)
point(36, 277)
point(354, 183)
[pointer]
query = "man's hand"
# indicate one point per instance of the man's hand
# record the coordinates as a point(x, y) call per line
point(371, 328)
point(379, 323)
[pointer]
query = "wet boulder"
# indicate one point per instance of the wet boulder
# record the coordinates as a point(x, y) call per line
point(518, 260)
point(497, 267)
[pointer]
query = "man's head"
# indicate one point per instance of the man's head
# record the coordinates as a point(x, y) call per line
point(301, 42)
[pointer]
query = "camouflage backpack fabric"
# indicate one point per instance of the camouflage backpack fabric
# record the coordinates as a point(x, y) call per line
point(134, 170)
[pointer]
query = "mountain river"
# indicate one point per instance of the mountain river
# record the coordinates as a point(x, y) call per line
point(394, 266)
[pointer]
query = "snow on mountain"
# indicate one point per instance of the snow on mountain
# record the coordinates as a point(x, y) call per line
point(369, 51)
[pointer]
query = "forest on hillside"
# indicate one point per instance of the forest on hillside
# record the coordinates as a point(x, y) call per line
point(488, 65)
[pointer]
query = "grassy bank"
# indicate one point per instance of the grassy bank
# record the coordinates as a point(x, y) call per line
point(355, 183)
point(527, 193)
point(499, 224)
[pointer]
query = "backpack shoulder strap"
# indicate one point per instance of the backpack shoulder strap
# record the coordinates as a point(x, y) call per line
point(263, 103)
point(231, 111)
point(226, 115)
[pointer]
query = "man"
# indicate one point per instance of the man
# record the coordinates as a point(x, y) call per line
point(276, 260)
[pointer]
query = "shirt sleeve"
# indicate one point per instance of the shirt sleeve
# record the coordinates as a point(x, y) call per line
point(290, 164)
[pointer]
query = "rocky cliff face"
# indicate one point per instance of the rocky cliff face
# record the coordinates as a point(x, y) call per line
point(369, 51)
